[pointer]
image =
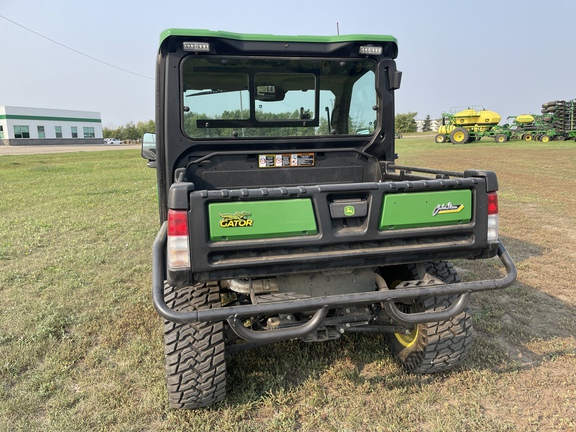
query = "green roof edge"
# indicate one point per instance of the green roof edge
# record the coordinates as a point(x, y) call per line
point(272, 38)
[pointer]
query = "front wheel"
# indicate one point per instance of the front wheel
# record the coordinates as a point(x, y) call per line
point(434, 346)
point(195, 364)
point(440, 138)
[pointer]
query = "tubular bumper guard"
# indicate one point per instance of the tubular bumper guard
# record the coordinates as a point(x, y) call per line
point(235, 314)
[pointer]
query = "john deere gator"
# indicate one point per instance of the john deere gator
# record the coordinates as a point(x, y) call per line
point(283, 214)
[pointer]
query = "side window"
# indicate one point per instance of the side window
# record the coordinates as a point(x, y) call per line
point(89, 132)
point(1, 132)
point(21, 132)
point(362, 113)
point(58, 130)
point(41, 133)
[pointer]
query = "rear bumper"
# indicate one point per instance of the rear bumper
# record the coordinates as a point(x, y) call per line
point(388, 297)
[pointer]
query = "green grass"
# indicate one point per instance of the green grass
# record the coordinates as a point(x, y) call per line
point(81, 345)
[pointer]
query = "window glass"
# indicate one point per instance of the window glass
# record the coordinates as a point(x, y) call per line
point(74, 131)
point(1, 132)
point(270, 97)
point(284, 96)
point(21, 132)
point(58, 130)
point(41, 133)
point(362, 113)
point(89, 132)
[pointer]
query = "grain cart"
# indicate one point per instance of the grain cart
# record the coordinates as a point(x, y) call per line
point(283, 215)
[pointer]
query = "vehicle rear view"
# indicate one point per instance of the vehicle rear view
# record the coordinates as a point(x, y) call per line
point(283, 215)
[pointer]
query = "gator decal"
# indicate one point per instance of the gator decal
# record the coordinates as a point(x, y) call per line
point(240, 220)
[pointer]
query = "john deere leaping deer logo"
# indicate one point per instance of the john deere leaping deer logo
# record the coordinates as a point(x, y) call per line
point(447, 208)
point(238, 219)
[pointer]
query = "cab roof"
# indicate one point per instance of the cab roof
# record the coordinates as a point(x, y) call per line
point(202, 33)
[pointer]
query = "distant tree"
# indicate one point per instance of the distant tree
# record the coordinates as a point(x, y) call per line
point(144, 127)
point(427, 125)
point(108, 132)
point(406, 122)
point(129, 131)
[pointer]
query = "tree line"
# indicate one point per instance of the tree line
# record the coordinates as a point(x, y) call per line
point(407, 123)
point(129, 131)
point(134, 131)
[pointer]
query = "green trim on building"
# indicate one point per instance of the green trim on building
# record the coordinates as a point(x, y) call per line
point(66, 119)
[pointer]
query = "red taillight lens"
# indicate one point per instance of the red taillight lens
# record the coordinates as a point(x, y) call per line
point(492, 203)
point(177, 223)
point(492, 233)
point(178, 249)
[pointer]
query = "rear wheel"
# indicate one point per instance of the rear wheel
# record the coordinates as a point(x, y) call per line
point(435, 346)
point(527, 137)
point(195, 364)
point(544, 138)
point(459, 136)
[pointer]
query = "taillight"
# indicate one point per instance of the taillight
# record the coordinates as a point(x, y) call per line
point(178, 249)
point(492, 216)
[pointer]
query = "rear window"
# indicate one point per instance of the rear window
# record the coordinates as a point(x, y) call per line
point(271, 97)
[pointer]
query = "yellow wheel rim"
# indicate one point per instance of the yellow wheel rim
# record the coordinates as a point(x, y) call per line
point(545, 138)
point(459, 136)
point(409, 339)
point(501, 139)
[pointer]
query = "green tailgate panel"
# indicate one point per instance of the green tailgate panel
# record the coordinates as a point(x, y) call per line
point(422, 209)
point(261, 219)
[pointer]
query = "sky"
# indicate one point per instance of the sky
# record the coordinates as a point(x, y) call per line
point(506, 56)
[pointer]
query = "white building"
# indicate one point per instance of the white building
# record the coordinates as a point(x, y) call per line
point(434, 125)
point(36, 126)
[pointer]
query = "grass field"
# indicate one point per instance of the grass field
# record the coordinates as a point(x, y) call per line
point(81, 345)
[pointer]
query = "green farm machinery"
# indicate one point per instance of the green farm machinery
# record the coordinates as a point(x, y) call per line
point(557, 122)
point(468, 125)
point(561, 117)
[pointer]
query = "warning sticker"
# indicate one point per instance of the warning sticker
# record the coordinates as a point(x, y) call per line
point(285, 160)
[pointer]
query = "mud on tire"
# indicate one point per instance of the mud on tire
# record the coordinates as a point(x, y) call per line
point(435, 346)
point(195, 363)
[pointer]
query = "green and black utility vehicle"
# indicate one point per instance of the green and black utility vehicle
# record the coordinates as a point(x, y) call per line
point(283, 215)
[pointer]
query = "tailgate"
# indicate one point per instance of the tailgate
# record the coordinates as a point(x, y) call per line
point(270, 231)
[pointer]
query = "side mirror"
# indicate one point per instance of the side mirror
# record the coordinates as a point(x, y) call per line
point(395, 80)
point(149, 147)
